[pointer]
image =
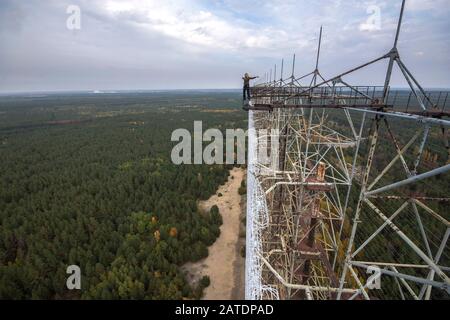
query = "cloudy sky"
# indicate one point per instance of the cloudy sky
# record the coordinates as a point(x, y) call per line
point(191, 44)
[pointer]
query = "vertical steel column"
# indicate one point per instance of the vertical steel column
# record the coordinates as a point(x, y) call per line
point(373, 144)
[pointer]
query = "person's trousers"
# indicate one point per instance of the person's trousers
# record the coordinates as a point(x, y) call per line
point(246, 91)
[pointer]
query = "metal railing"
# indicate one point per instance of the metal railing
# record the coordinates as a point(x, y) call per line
point(401, 100)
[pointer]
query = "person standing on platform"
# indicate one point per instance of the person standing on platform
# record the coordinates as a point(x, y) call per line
point(246, 91)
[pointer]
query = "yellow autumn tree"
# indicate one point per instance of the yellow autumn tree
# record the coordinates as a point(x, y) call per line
point(157, 235)
point(173, 232)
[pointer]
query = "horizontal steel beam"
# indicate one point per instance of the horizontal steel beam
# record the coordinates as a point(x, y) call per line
point(410, 180)
point(400, 265)
point(407, 116)
point(301, 286)
point(422, 117)
point(440, 285)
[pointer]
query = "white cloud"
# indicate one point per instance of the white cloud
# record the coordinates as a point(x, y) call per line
point(198, 43)
point(190, 23)
point(422, 5)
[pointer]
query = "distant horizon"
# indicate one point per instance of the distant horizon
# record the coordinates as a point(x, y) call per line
point(108, 91)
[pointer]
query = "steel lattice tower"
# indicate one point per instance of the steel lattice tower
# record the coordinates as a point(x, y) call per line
point(348, 194)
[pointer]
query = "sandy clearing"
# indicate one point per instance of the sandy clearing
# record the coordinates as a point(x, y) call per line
point(223, 264)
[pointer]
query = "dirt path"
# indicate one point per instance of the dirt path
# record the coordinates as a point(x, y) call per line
point(223, 264)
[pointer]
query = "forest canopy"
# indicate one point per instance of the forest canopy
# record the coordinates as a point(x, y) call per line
point(87, 180)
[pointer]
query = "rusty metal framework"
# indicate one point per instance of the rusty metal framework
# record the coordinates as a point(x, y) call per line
point(350, 194)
